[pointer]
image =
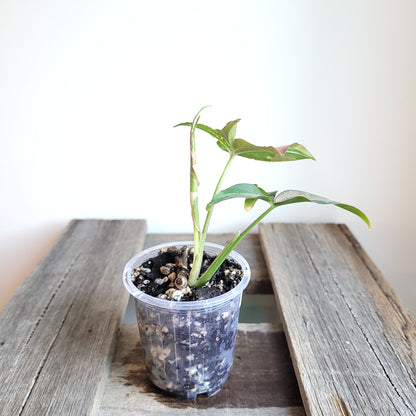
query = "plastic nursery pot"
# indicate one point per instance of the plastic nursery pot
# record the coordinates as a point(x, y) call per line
point(188, 345)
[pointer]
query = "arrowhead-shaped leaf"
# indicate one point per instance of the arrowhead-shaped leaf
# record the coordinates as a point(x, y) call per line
point(249, 191)
point(227, 142)
point(294, 151)
point(293, 196)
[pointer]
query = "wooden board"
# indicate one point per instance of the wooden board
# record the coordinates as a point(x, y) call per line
point(352, 344)
point(250, 248)
point(58, 331)
point(262, 381)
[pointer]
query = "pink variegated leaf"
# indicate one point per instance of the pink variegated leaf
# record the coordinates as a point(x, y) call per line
point(295, 151)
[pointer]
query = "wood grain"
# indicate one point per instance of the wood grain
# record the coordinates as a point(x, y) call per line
point(352, 344)
point(261, 381)
point(250, 248)
point(58, 331)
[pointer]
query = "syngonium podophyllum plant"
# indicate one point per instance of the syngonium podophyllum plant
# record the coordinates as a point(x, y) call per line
point(227, 141)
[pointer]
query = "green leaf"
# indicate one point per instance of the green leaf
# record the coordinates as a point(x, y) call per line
point(203, 127)
point(229, 131)
point(243, 190)
point(227, 142)
point(295, 151)
point(293, 197)
point(249, 203)
point(223, 144)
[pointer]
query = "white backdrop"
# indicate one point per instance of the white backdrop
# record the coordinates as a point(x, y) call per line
point(90, 90)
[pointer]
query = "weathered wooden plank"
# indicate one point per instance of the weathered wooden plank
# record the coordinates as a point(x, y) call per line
point(352, 344)
point(58, 331)
point(262, 381)
point(249, 247)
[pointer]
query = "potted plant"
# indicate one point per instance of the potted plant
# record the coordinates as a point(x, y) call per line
point(187, 294)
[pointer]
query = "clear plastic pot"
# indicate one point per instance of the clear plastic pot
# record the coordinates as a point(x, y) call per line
point(188, 345)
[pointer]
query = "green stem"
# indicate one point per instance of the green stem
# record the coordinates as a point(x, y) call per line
point(194, 184)
point(211, 208)
point(199, 250)
point(206, 277)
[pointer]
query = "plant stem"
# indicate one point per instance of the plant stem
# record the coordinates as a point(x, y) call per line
point(194, 184)
point(199, 250)
point(211, 208)
point(206, 277)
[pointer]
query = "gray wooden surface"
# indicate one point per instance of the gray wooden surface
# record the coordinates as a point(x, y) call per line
point(352, 344)
point(58, 331)
point(262, 381)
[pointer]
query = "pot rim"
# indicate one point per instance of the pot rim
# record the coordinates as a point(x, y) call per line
point(211, 248)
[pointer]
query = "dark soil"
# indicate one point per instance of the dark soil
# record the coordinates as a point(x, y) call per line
point(165, 276)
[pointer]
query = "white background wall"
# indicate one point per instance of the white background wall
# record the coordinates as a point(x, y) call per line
point(90, 90)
